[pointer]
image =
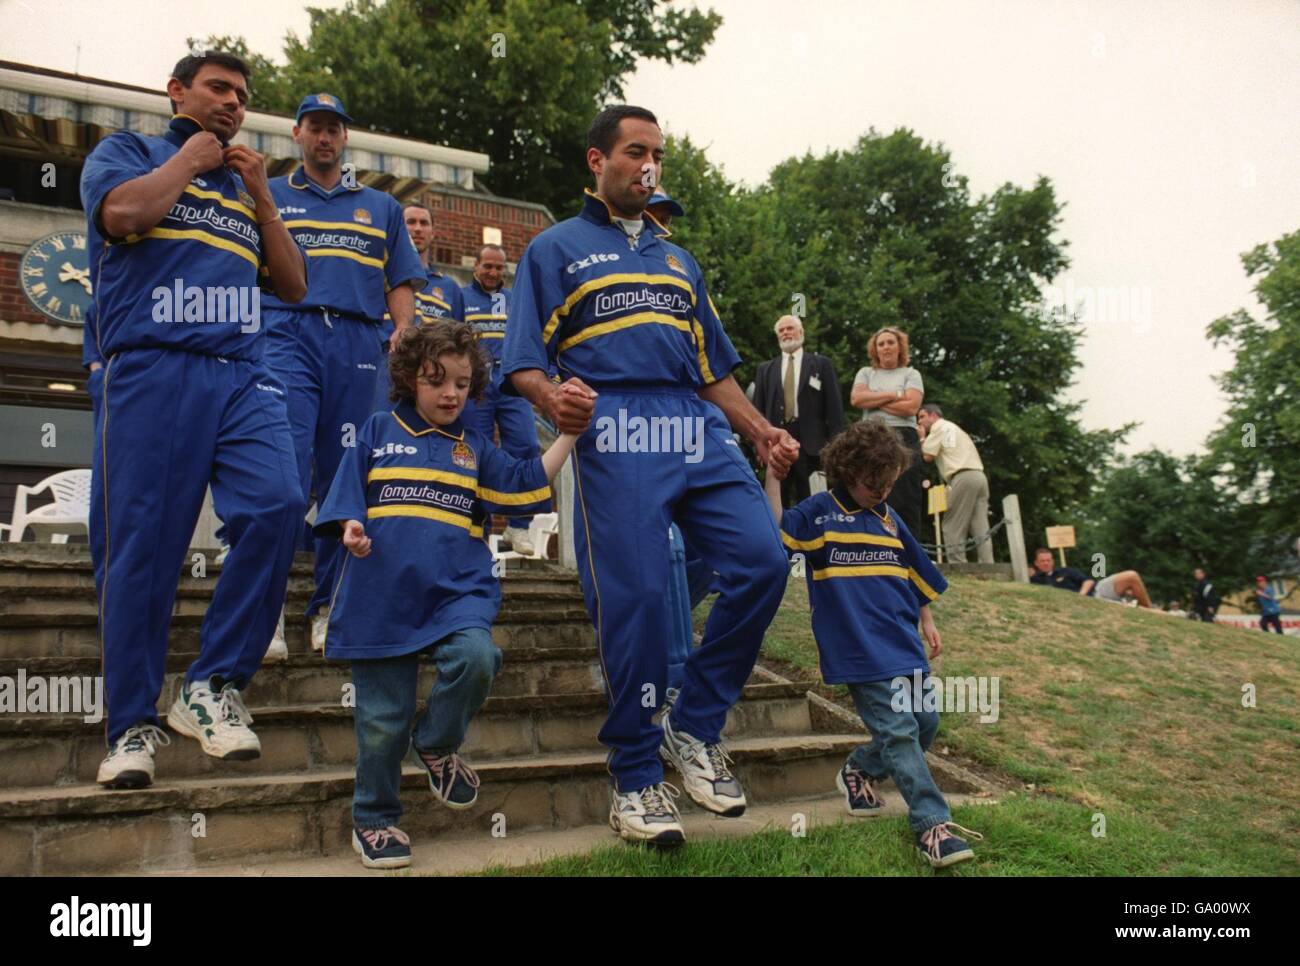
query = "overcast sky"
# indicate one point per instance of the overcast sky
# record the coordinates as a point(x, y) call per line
point(1170, 128)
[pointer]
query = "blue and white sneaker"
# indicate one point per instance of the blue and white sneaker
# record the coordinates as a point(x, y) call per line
point(130, 762)
point(382, 848)
point(451, 780)
point(647, 815)
point(941, 848)
point(705, 770)
point(860, 794)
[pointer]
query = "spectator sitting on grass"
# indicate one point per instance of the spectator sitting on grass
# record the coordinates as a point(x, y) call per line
point(1112, 588)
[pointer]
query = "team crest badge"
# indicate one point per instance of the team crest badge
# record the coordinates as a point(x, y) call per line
point(675, 265)
point(362, 216)
point(436, 292)
point(327, 100)
point(463, 457)
point(247, 199)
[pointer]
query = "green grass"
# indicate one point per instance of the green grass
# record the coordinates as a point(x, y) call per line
point(1103, 709)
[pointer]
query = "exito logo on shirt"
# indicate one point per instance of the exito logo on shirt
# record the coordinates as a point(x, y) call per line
point(591, 260)
point(362, 216)
point(463, 457)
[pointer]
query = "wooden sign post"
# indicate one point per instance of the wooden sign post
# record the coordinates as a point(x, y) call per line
point(1058, 538)
point(938, 504)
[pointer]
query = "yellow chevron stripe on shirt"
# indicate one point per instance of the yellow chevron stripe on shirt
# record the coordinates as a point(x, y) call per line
point(344, 253)
point(421, 473)
point(337, 226)
point(515, 499)
point(221, 199)
point(873, 570)
point(484, 318)
point(491, 335)
point(604, 282)
point(426, 513)
point(194, 234)
point(836, 537)
point(434, 299)
point(627, 322)
point(922, 585)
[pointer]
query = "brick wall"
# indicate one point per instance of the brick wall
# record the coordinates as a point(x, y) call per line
point(459, 223)
point(14, 306)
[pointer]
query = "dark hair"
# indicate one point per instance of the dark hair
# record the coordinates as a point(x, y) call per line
point(188, 67)
point(425, 343)
point(867, 453)
point(1041, 550)
point(478, 256)
point(419, 204)
point(603, 133)
point(933, 408)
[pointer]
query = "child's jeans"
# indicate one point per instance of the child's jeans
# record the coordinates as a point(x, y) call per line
point(897, 748)
point(467, 661)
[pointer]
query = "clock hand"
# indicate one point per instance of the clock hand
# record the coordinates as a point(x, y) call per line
point(70, 273)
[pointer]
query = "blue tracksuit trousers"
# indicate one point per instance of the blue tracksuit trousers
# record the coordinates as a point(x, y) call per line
point(625, 500)
point(329, 366)
point(169, 424)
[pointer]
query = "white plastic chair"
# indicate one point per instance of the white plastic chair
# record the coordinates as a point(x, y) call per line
point(539, 532)
point(68, 514)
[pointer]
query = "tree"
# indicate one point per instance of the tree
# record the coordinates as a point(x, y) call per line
point(1257, 448)
point(886, 233)
point(518, 80)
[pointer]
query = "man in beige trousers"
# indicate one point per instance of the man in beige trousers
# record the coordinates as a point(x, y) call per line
point(947, 445)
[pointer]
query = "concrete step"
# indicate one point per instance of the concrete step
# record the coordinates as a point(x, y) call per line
point(306, 678)
point(58, 635)
point(38, 750)
point(467, 854)
point(187, 824)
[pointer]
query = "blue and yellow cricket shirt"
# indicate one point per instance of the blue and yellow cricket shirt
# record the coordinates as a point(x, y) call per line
point(613, 311)
point(355, 239)
point(866, 586)
point(487, 313)
point(424, 493)
point(182, 284)
point(440, 298)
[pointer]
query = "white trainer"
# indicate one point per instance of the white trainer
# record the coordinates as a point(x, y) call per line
point(279, 648)
point(320, 624)
point(130, 762)
point(647, 815)
point(705, 770)
point(218, 720)
point(520, 540)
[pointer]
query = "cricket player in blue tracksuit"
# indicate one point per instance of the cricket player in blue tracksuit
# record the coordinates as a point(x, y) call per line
point(328, 350)
point(625, 316)
point(487, 301)
point(870, 583)
point(410, 503)
point(182, 230)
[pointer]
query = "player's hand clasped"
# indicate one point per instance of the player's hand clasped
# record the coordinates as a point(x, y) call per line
point(777, 450)
point(570, 406)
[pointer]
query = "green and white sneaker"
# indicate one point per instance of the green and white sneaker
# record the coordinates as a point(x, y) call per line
point(218, 720)
point(130, 762)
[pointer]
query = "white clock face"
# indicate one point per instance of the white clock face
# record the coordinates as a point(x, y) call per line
point(55, 276)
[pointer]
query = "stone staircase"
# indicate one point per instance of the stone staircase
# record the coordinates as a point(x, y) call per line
point(534, 743)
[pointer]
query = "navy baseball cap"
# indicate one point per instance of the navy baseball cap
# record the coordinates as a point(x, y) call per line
point(659, 198)
point(321, 102)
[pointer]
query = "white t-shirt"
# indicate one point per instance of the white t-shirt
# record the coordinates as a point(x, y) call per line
point(890, 380)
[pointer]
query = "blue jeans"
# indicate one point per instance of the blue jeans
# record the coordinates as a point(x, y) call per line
point(897, 748)
point(467, 661)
